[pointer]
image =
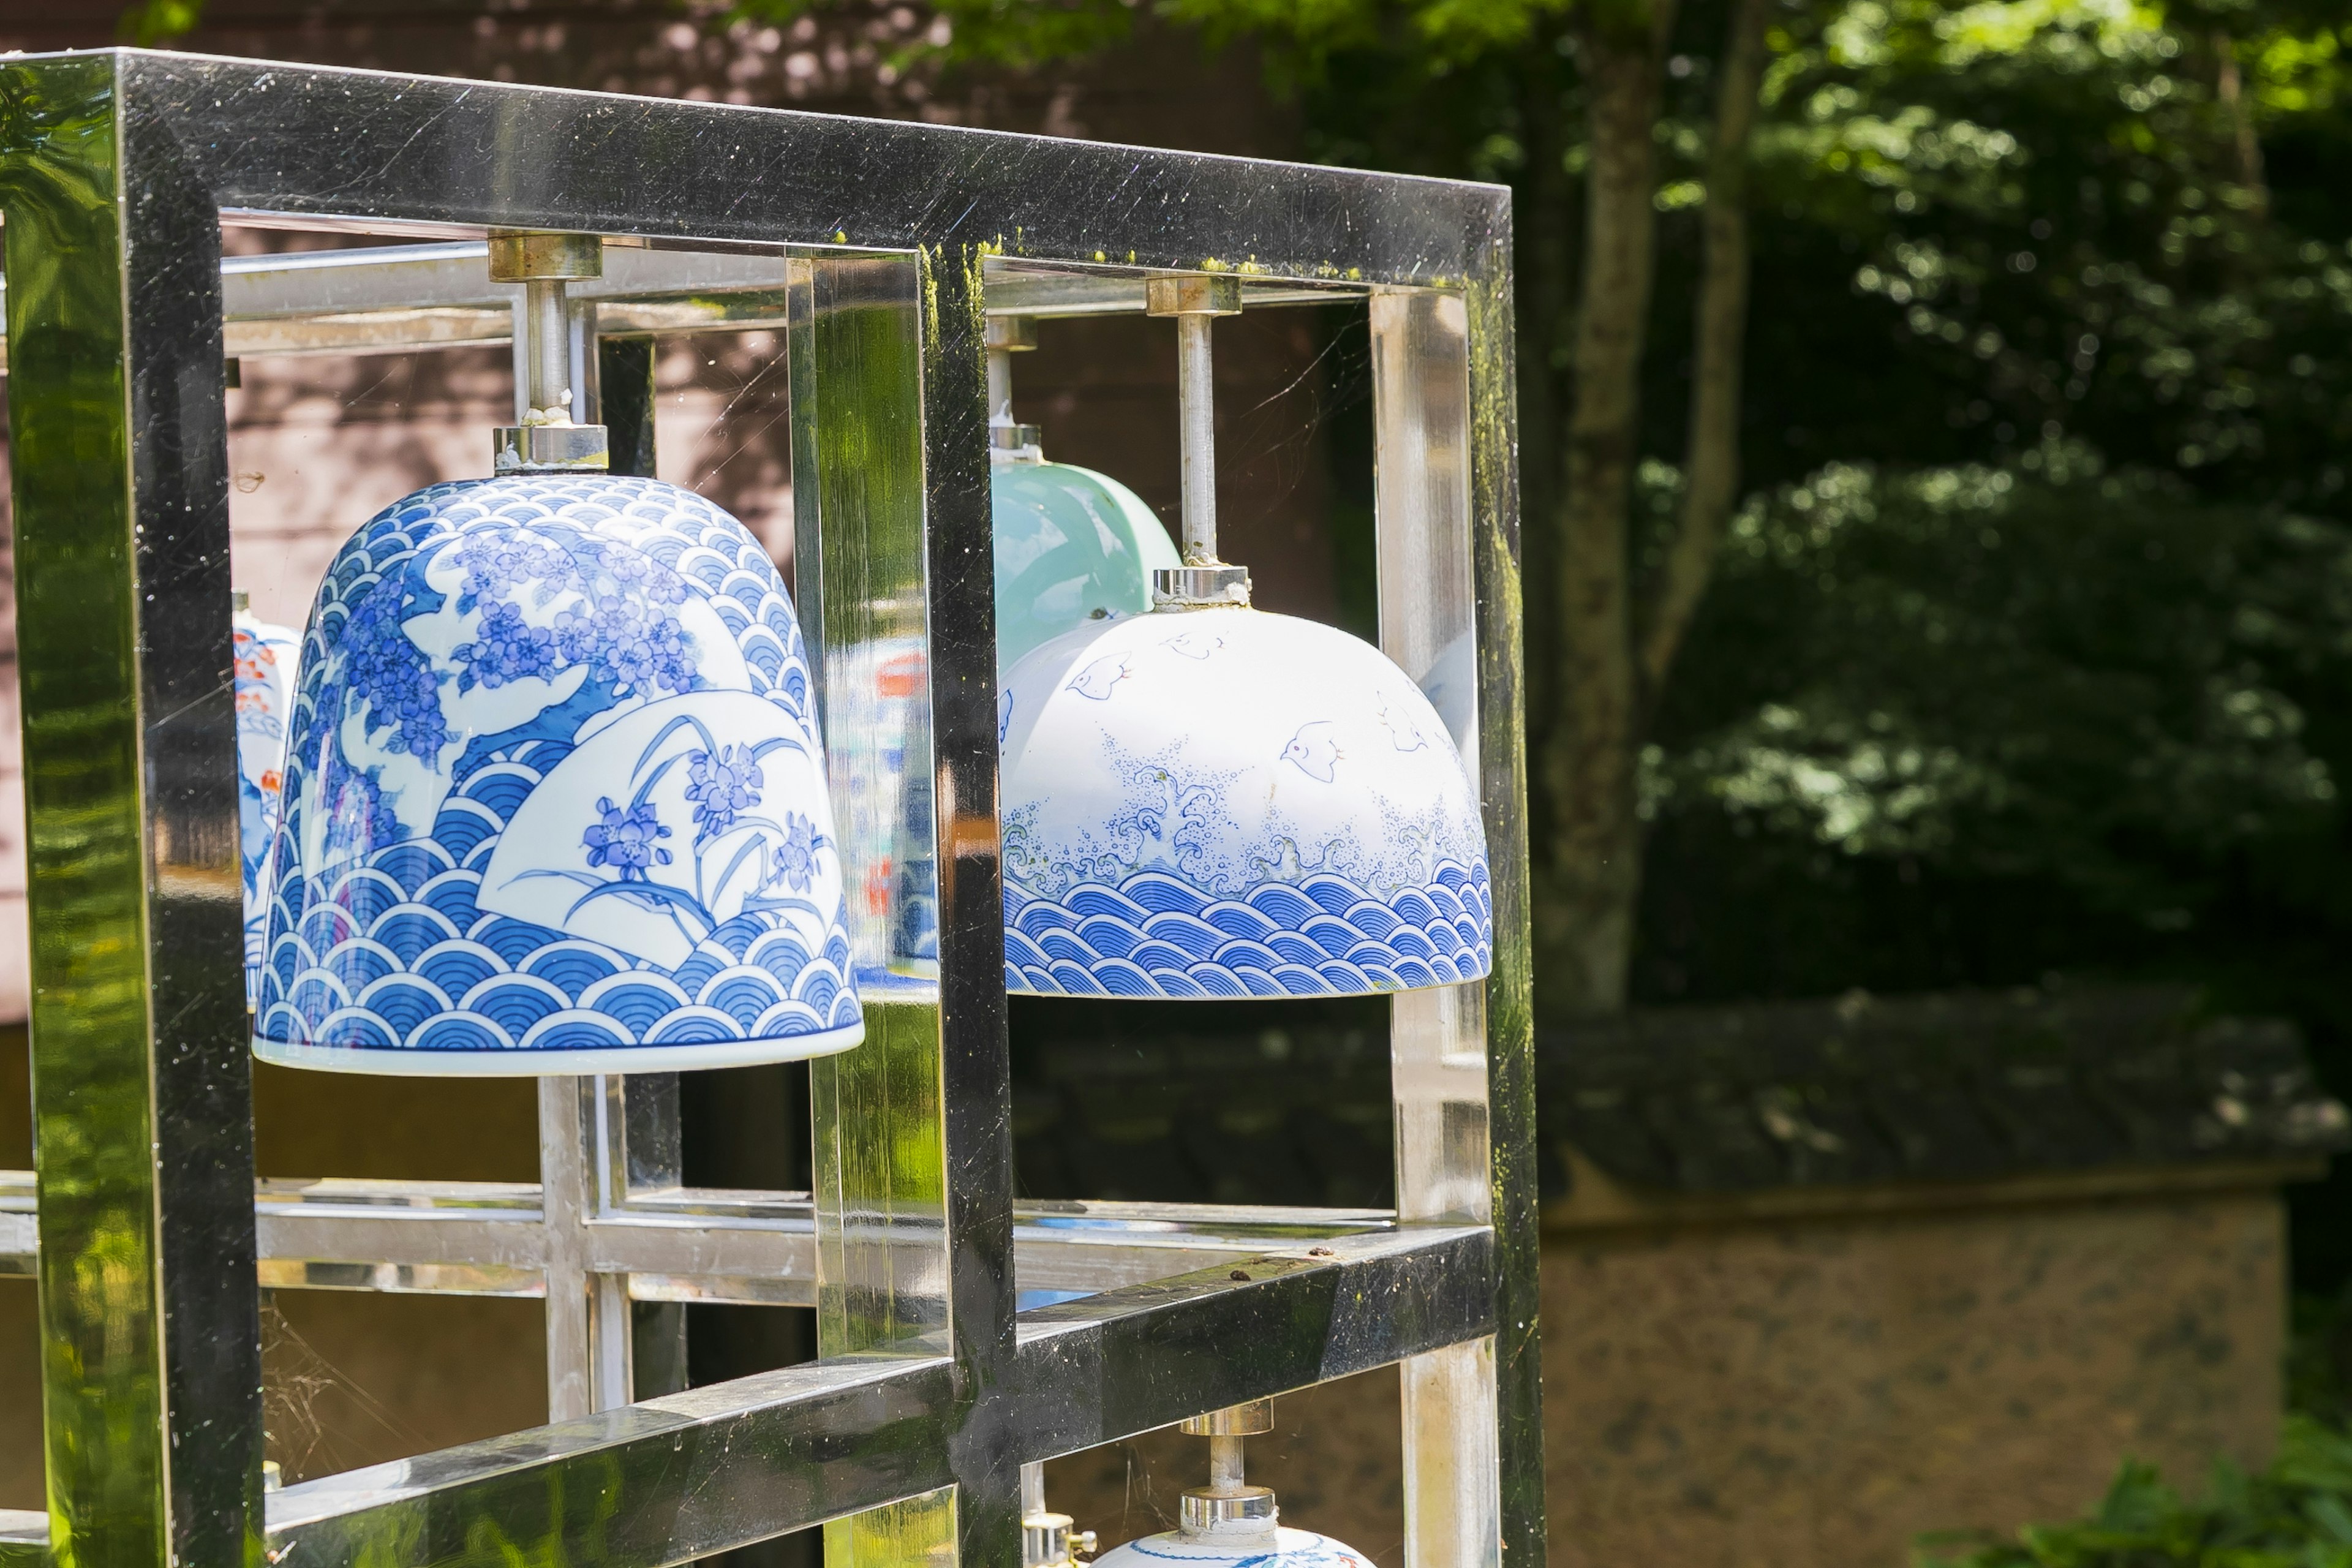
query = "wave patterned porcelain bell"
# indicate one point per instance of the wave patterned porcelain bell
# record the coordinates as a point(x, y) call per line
point(1231, 804)
point(555, 799)
point(1208, 801)
point(263, 685)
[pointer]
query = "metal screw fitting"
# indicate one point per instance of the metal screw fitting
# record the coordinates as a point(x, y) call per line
point(1219, 586)
point(1229, 1507)
point(1254, 1419)
point(1016, 443)
point(1012, 334)
point(1191, 294)
point(548, 440)
point(550, 448)
point(1047, 1541)
point(529, 255)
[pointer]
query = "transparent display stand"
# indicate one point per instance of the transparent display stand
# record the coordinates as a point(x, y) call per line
point(879, 248)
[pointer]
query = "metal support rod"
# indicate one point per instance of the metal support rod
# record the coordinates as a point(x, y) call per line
point(571, 1361)
point(1225, 1461)
point(550, 347)
point(1032, 1489)
point(999, 386)
point(1197, 419)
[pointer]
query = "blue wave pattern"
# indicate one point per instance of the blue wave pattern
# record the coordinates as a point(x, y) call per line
point(384, 948)
point(1157, 935)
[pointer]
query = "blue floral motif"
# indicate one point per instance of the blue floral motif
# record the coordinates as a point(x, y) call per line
point(625, 839)
point(722, 786)
point(393, 675)
point(497, 561)
point(622, 641)
point(509, 648)
point(381, 913)
point(638, 574)
point(796, 856)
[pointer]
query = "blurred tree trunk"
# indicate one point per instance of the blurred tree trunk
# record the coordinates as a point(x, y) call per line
point(2230, 91)
point(1719, 338)
point(1584, 919)
point(1543, 267)
point(1614, 655)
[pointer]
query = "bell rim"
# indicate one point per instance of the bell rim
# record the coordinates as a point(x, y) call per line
point(521, 1061)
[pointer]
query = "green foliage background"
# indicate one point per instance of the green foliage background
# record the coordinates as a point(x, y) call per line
point(2030, 652)
point(2296, 1513)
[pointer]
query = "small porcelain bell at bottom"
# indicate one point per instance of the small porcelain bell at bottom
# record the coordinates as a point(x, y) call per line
point(1229, 1524)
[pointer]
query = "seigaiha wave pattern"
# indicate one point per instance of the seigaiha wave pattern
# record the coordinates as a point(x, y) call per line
point(1154, 935)
point(1226, 804)
point(555, 798)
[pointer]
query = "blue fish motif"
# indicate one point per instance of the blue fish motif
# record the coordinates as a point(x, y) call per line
point(1096, 680)
point(1004, 715)
point(1314, 750)
point(1195, 645)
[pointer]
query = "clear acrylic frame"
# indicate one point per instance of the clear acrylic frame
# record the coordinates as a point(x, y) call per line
point(881, 246)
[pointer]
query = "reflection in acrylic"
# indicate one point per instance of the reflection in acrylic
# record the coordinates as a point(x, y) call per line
point(263, 683)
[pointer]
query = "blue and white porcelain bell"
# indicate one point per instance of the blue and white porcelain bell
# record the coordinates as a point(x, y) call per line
point(1229, 1524)
point(1073, 546)
point(263, 683)
point(1209, 801)
point(555, 798)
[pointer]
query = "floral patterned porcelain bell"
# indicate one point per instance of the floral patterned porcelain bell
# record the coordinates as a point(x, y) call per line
point(1209, 801)
point(1228, 1523)
point(555, 800)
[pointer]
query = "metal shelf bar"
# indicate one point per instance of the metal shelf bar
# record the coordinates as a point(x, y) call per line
point(734, 1463)
point(679, 1244)
point(404, 298)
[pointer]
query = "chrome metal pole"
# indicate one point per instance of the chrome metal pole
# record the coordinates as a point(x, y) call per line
point(1196, 300)
point(550, 346)
point(150, 1395)
point(1196, 402)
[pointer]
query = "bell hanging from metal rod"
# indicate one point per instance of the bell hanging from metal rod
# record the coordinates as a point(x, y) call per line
point(1073, 546)
point(1210, 801)
point(555, 795)
point(1230, 1523)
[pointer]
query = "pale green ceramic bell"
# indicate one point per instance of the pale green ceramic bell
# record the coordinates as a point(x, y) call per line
point(1072, 545)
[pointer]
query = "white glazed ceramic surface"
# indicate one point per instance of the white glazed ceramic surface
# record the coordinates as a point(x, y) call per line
point(1288, 1548)
point(555, 800)
point(263, 682)
point(1225, 803)
point(1072, 546)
